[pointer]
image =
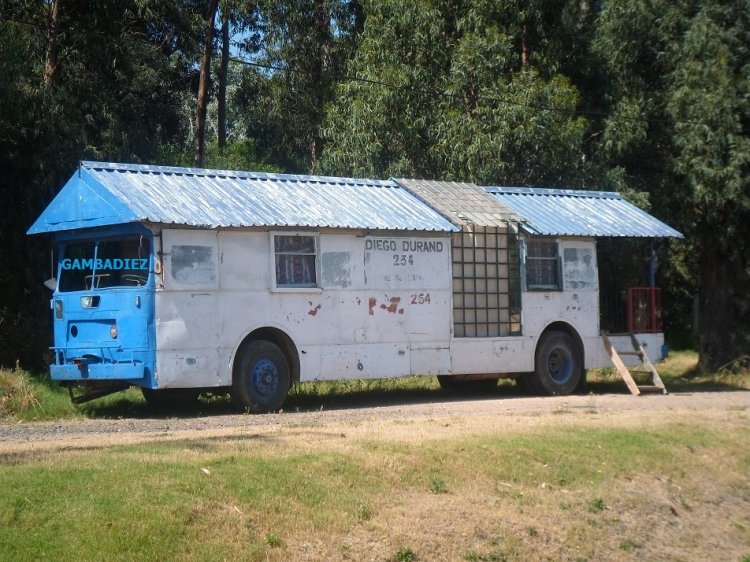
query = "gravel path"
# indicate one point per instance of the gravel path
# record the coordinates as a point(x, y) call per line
point(699, 403)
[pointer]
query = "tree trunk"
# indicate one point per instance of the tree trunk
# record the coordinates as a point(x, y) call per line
point(223, 81)
point(205, 77)
point(359, 17)
point(50, 56)
point(722, 328)
point(319, 75)
point(525, 44)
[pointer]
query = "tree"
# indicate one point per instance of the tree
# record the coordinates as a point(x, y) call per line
point(709, 100)
point(203, 85)
point(223, 72)
point(305, 45)
point(466, 91)
point(79, 81)
point(679, 127)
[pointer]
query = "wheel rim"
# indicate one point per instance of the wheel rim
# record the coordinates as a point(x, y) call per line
point(560, 364)
point(265, 378)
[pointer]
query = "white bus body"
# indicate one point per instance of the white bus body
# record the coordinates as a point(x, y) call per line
point(181, 281)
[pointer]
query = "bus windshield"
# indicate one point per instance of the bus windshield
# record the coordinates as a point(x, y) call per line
point(100, 264)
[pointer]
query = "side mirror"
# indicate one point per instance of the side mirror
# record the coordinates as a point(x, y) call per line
point(51, 284)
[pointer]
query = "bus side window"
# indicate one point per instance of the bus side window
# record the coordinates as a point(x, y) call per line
point(193, 265)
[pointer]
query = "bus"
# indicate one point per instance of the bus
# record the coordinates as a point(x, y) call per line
point(183, 281)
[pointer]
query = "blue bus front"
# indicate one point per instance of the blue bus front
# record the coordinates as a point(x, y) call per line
point(103, 309)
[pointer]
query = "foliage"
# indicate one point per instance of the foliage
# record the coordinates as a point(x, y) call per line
point(111, 94)
point(25, 397)
point(440, 90)
point(16, 394)
point(649, 98)
point(405, 554)
point(679, 126)
point(305, 46)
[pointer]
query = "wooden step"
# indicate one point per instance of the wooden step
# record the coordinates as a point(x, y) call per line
point(633, 353)
point(651, 388)
point(626, 372)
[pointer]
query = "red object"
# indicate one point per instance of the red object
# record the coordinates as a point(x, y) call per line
point(644, 309)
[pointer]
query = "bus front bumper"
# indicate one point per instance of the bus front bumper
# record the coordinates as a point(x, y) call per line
point(97, 371)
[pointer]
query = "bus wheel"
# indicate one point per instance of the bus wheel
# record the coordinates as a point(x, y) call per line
point(261, 377)
point(557, 365)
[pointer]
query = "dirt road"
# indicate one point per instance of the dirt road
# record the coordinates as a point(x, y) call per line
point(645, 516)
point(474, 413)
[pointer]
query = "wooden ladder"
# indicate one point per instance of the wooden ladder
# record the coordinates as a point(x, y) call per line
point(627, 373)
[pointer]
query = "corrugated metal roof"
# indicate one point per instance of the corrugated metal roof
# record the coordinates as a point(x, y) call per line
point(105, 193)
point(557, 212)
point(461, 202)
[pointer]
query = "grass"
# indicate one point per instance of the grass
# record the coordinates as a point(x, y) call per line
point(680, 374)
point(25, 397)
point(554, 491)
point(158, 502)
point(246, 497)
point(437, 484)
point(405, 555)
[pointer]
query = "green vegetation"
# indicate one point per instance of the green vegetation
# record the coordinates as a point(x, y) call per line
point(405, 555)
point(679, 372)
point(26, 397)
point(597, 505)
point(250, 496)
point(437, 484)
point(645, 98)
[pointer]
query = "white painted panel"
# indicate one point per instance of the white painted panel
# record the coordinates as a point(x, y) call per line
point(579, 266)
point(429, 359)
point(492, 355)
point(419, 263)
point(187, 369)
point(341, 257)
point(335, 317)
point(190, 259)
point(580, 309)
point(187, 338)
point(364, 361)
point(244, 259)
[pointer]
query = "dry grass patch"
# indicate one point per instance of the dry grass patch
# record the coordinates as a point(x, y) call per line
point(17, 394)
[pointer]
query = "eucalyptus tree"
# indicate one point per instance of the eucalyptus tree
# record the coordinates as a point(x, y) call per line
point(680, 99)
point(300, 57)
point(80, 80)
point(469, 90)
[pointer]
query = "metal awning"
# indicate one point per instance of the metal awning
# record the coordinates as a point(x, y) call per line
point(461, 202)
point(558, 212)
point(101, 194)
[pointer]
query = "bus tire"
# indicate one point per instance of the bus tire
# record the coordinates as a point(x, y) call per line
point(558, 366)
point(261, 377)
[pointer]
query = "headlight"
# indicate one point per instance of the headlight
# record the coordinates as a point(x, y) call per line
point(58, 309)
point(113, 331)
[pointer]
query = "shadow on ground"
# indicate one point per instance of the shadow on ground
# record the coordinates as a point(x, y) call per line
point(307, 398)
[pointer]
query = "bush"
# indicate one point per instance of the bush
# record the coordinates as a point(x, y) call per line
point(17, 394)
